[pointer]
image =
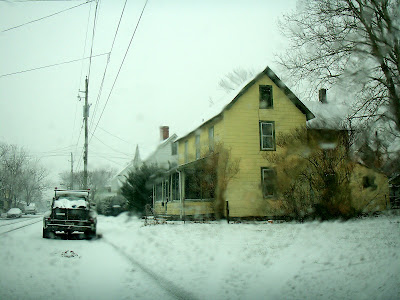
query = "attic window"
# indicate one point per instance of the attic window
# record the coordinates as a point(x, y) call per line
point(266, 100)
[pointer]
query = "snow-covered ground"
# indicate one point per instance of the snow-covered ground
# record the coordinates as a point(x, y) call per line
point(358, 259)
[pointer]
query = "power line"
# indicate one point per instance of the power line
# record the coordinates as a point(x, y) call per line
point(106, 68)
point(93, 33)
point(107, 158)
point(76, 145)
point(80, 76)
point(53, 65)
point(17, 1)
point(45, 17)
point(119, 23)
point(119, 70)
point(110, 146)
point(56, 150)
point(114, 135)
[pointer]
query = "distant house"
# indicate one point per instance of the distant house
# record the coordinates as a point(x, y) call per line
point(245, 125)
point(164, 156)
point(118, 180)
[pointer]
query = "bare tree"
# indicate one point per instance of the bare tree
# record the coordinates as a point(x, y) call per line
point(349, 42)
point(22, 179)
point(34, 178)
point(217, 172)
point(97, 179)
point(235, 78)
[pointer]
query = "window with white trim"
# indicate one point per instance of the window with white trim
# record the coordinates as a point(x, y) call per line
point(267, 135)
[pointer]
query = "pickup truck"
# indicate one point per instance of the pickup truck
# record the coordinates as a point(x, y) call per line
point(71, 211)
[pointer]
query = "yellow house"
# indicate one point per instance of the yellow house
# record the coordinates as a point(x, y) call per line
point(245, 127)
point(223, 162)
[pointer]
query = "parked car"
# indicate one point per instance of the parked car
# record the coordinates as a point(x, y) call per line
point(30, 209)
point(14, 213)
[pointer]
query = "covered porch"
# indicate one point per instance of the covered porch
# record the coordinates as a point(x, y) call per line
point(186, 192)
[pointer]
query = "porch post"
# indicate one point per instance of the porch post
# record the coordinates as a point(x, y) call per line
point(154, 197)
point(182, 177)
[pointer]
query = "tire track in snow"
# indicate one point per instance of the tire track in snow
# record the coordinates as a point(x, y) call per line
point(169, 286)
point(19, 221)
point(20, 227)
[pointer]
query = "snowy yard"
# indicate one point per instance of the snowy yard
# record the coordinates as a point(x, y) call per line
point(358, 259)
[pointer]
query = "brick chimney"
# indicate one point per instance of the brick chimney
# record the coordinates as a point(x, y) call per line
point(322, 96)
point(164, 133)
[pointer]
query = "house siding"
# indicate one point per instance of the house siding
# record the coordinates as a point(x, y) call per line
point(242, 136)
point(369, 199)
point(163, 157)
point(204, 141)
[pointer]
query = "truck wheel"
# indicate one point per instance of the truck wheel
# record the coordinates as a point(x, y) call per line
point(46, 234)
point(90, 234)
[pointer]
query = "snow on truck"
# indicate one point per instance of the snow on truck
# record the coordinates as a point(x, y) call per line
point(71, 211)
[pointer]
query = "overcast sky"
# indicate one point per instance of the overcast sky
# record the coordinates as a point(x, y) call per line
point(180, 51)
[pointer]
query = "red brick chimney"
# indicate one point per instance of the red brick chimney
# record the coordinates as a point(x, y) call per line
point(164, 133)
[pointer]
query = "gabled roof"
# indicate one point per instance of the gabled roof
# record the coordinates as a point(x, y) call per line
point(137, 160)
point(162, 144)
point(135, 163)
point(243, 89)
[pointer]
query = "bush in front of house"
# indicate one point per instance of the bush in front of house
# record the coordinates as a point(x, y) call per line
point(138, 188)
point(313, 175)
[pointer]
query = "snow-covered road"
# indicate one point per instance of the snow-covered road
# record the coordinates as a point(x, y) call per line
point(333, 260)
point(37, 268)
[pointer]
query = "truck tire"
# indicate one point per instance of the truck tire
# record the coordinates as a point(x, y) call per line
point(90, 234)
point(46, 233)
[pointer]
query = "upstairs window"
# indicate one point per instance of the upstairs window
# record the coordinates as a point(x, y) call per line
point(266, 100)
point(211, 139)
point(197, 146)
point(268, 182)
point(267, 135)
point(174, 149)
point(186, 152)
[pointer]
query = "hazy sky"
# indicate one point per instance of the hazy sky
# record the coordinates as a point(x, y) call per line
point(180, 51)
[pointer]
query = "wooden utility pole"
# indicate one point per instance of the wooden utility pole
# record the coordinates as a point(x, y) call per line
point(72, 172)
point(85, 154)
